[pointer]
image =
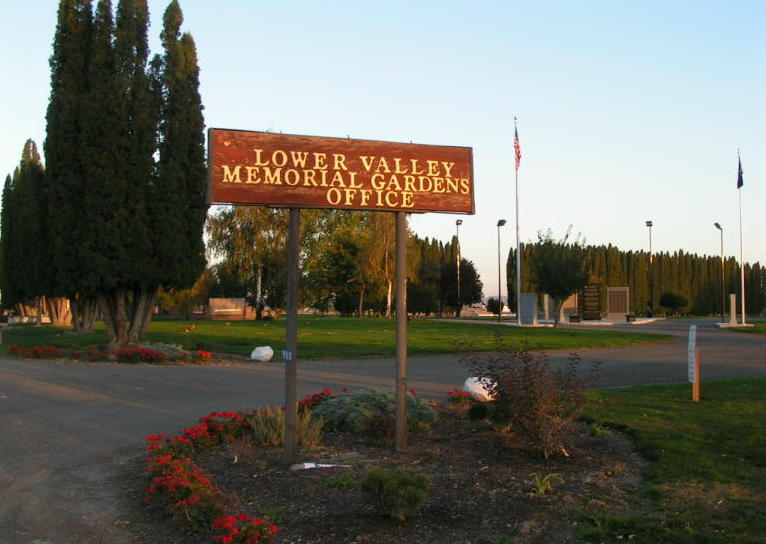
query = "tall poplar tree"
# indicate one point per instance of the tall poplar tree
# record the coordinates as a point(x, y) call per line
point(179, 203)
point(7, 230)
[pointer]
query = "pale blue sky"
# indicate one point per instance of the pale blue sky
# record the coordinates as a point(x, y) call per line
point(627, 111)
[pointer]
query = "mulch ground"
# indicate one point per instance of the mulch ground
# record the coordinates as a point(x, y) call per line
point(481, 488)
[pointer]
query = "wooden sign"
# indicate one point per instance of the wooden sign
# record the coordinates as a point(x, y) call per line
point(282, 170)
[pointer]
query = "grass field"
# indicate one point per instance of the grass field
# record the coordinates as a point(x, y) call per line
point(707, 482)
point(758, 328)
point(332, 337)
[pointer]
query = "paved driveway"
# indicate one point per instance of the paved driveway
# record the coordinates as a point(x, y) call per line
point(68, 428)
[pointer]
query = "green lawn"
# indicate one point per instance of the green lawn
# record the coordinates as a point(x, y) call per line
point(707, 482)
point(333, 337)
point(758, 328)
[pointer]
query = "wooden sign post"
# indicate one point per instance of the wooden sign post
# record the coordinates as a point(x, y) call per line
point(291, 171)
point(694, 363)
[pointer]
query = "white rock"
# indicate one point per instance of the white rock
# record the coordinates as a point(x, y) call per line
point(479, 389)
point(262, 354)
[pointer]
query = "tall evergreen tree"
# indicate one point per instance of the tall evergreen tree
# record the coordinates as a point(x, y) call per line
point(72, 252)
point(7, 231)
point(180, 198)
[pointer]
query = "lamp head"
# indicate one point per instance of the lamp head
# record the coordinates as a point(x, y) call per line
point(501, 222)
point(648, 223)
point(459, 222)
point(718, 226)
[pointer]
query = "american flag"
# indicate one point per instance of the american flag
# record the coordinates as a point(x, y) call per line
point(517, 147)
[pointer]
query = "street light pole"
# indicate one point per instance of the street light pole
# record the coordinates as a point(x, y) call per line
point(458, 222)
point(650, 306)
point(500, 223)
point(723, 283)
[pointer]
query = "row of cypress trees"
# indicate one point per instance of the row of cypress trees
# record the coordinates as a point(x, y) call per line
point(125, 180)
point(697, 278)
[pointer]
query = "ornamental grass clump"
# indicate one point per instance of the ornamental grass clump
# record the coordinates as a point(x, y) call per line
point(395, 492)
point(373, 412)
point(268, 426)
point(539, 403)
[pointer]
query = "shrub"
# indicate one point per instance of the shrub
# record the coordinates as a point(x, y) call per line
point(139, 355)
point(396, 493)
point(373, 411)
point(673, 302)
point(539, 403)
point(457, 396)
point(495, 305)
point(268, 426)
point(244, 529)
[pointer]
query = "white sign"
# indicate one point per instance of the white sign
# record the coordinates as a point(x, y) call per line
point(692, 352)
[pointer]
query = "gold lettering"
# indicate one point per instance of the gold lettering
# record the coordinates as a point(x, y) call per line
point(438, 185)
point(350, 196)
point(258, 160)
point(367, 162)
point(292, 177)
point(465, 187)
point(309, 178)
point(383, 165)
point(398, 167)
point(407, 200)
point(393, 183)
point(339, 162)
point(323, 173)
point(433, 168)
point(353, 182)
point(415, 169)
point(333, 196)
point(451, 185)
point(272, 178)
point(379, 200)
point(279, 157)
point(377, 182)
point(423, 188)
point(448, 168)
point(409, 183)
point(252, 174)
point(337, 178)
point(231, 176)
point(299, 158)
point(366, 193)
point(320, 161)
point(388, 199)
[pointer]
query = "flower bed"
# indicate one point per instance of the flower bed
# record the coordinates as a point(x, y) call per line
point(189, 494)
point(154, 354)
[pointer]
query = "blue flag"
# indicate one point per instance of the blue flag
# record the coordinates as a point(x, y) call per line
point(740, 183)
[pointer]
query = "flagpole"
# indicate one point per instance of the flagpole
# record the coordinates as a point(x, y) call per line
point(517, 150)
point(741, 260)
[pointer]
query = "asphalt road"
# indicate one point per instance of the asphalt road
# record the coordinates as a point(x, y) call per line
point(68, 428)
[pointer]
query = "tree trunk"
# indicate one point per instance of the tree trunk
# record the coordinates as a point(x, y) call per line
point(557, 303)
point(141, 314)
point(59, 311)
point(258, 306)
point(39, 310)
point(361, 302)
point(388, 298)
point(83, 312)
point(113, 307)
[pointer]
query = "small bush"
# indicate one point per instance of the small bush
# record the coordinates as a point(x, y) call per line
point(373, 412)
point(396, 493)
point(344, 480)
point(495, 305)
point(539, 403)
